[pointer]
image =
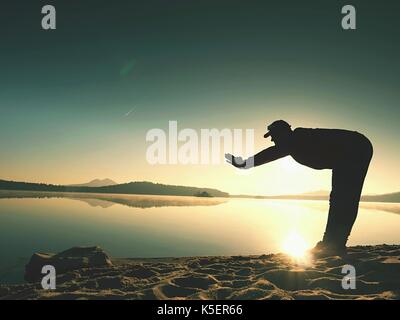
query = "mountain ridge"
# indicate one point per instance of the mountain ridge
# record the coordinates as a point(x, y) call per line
point(95, 183)
point(393, 197)
point(135, 187)
point(151, 188)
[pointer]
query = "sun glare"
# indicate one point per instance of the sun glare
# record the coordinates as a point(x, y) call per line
point(295, 246)
point(289, 165)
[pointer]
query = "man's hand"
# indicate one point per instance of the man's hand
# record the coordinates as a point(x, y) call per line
point(237, 162)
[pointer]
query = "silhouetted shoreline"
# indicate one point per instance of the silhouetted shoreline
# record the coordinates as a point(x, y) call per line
point(138, 187)
point(388, 197)
point(149, 188)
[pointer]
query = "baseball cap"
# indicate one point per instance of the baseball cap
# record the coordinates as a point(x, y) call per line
point(276, 126)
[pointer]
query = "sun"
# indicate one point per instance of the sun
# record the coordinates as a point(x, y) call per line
point(295, 245)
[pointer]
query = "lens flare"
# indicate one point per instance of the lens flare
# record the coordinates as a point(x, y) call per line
point(295, 245)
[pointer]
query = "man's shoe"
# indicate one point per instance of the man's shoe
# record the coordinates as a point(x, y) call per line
point(324, 249)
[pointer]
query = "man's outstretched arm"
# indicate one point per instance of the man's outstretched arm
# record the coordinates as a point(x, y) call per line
point(267, 155)
point(264, 156)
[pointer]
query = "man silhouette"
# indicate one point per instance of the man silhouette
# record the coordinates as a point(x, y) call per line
point(347, 153)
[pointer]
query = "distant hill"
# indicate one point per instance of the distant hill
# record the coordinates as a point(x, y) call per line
point(324, 195)
point(388, 197)
point(142, 187)
point(145, 187)
point(317, 193)
point(95, 183)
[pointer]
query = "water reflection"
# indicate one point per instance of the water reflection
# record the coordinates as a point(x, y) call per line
point(107, 200)
point(323, 205)
point(173, 226)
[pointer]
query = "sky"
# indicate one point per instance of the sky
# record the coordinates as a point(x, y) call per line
point(76, 102)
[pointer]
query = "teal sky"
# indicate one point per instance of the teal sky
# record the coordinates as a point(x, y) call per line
point(76, 102)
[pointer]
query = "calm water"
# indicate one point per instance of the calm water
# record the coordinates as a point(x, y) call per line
point(175, 226)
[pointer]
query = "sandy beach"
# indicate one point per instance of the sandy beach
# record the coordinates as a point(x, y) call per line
point(276, 276)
